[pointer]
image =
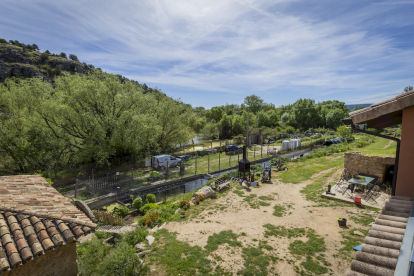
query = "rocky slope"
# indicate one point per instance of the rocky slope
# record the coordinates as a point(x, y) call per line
point(16, 61)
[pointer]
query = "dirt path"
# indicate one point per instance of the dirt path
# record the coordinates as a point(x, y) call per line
point(240, 218)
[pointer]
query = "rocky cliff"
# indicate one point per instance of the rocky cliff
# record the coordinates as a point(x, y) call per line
point(17, 61)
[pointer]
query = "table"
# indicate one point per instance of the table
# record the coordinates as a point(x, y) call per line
point(364, 182)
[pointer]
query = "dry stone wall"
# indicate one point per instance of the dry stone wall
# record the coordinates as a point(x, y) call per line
point(368, 165)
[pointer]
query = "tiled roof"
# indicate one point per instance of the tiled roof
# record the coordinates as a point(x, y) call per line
point(384, 108)
point(379, 254)
point(35, 218)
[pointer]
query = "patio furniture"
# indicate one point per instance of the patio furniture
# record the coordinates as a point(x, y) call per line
point(349, 190)
point(362, 182)
point(341, 181)
point(371, 192)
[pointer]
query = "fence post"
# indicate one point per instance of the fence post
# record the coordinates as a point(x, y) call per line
point(219, 154)
point(254, 152)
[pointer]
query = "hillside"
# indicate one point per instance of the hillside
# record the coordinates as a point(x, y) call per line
point(25, 62)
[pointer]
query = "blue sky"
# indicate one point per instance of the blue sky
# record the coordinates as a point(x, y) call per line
point(209, 53)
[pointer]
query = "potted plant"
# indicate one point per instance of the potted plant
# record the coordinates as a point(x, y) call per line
point(358, 178)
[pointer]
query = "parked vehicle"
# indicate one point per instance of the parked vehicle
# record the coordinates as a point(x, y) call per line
point(161, 161)
point(231, 148)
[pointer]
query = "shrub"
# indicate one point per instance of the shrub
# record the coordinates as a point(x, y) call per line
point(149, 206)
point(134, 237)
point(102, 235)
point(150, 198)
point(200, 197)
point(108, 218)
point(137, 203)
point(121, 211)
point(184, 204)
point(151, 220)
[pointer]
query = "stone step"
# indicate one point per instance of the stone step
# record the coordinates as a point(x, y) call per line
point(383, 243)
point(395, 214)
point(399, 201)
point(354, 273)
point(381, 261)
point(398, 210)
point(369, 269)
point(391, 223)
point(397, 205)
point(382, 251)
point(385, 235)
point(393, 218)
point(407, 198)
point(388, 229)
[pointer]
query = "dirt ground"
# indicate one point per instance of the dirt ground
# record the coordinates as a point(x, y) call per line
point(239, 218)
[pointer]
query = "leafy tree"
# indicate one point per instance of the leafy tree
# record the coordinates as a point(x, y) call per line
point(44, 57)
point(35, 47)
point(73, 57)
point(47, 52)
point(3, 40)
point(63, 55)
point(253, 103)
point(334, 118)
point(58, 70)
point(408, 88)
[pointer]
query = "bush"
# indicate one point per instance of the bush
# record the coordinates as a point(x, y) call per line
point(107, 218)
point(121, 211)
point(151, 220)
point(134, 237)
point(102, 235)
point(137, 203)
point(149, 206)
point(184, 204)
point(150, 198)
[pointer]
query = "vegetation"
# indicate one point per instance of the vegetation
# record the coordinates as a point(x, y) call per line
point(81, 119)
point(98, 258)
point(121, 211)
point(223, 237)
point(137, 203)
point(106, 218)
point(150, 198)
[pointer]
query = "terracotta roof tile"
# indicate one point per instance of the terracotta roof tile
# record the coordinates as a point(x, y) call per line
point(34, 217)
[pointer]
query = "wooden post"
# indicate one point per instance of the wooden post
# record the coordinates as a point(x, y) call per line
point(219, 154)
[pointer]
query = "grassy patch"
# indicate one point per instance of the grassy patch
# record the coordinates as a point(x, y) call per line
point(313, 267)
point(178, 257)
point(365, 220)
point(281, 231)
point(255, 262)
point(349, 242)
point(280, 211)
point(268, 198)
point(314, 245)
point(263, 203)
point(223, 237)
point(301, 171)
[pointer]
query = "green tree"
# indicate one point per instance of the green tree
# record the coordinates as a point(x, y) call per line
point(408, 88)
point(253, 103)
point(63, 55)
point(73, 57)
point(334, 118)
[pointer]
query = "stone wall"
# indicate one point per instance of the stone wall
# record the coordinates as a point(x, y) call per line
point(60, 261)
point(368, 165)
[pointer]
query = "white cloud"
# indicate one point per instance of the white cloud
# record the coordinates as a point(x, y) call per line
point(227, 46)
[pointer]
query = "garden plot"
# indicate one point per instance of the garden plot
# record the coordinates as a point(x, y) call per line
point(254, 232)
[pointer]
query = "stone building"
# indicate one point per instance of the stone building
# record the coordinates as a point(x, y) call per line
point(38, 228)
